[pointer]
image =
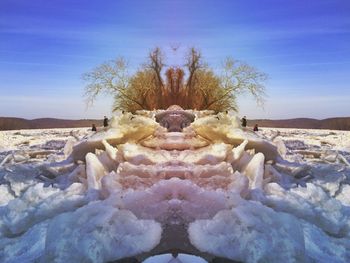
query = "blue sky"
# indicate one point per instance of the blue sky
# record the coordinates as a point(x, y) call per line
point(45, 47)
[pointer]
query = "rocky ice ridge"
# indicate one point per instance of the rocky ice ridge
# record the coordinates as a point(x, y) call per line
point(175, 182)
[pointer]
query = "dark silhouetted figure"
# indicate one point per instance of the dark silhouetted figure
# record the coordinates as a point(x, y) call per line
point(256, 127)
point(244, 121)
point(93, 127)
point(105, 121)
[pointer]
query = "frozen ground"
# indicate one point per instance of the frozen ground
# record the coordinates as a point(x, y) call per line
point(301, 216)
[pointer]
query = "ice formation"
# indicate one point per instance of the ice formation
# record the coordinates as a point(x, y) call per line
point(174, 181)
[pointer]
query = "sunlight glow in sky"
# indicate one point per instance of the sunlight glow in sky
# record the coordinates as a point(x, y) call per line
point(46, 46)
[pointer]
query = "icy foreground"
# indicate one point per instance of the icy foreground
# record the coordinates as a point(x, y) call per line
point(174, 182)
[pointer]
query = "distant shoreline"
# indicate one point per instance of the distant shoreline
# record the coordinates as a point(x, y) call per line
point(12, 123)
point(338, 123)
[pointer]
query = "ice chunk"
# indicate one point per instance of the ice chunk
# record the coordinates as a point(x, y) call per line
point(281, 147)
point(5, 195)
point(250, 232)
point(94, 171)
point(239, 184)
point(136, 154)
point(344, 195)
point(99, 232)
point(237, 152)
point(255, 171)
point(25, 248)
point(37, 204)
point(321, 247)
point(6, 159)
point(68, 147)
point(310, 203)
point(111, 151)
point(175, 198)
point(212, 154)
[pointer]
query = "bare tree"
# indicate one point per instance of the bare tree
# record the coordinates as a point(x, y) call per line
point(239, 77)
point(156, 65)
point(174, 86)
point(193, 64)
point(203, 89)
point(109, 78)
point(140, 94)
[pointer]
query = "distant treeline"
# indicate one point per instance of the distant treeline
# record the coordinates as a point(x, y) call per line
point(9, 123)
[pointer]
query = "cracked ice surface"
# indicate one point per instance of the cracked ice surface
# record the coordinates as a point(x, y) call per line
point(148, 186)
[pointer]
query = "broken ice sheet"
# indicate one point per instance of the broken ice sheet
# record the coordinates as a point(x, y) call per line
point(210, 190)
